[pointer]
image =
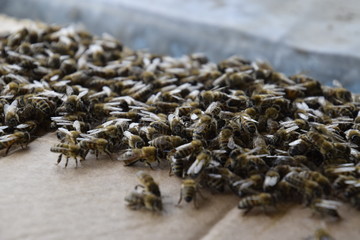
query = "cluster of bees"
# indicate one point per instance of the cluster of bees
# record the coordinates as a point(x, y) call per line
point(236, 126)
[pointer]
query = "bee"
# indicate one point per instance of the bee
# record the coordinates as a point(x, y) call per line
point(161, 127)
point(131, 156)
point(353, 136)
point(247, 186)
point(187, 149)
point(21, 138)
point(95, 144)
point(176, 125)
point(215, 182)
point(326, 208)
point(144, 200)
point(319, 178)
point(66, 136)
point(310, 189)
point(165, 107)
point(177, 166)
point(212, 96)
point(166, 142)
point(202, 161)
point(69, 150)
point(321, 234)
point(325, 147)
point(189, 191)
point(143, 92)
point(247, 123)
point(205, 128)
point(134, 141)
point(73, 103)
point(226, 140)
point(148, 183)
point(11, 116)
point(299, 147)
point(261, 199)
point(337, 95)
point(214, 109)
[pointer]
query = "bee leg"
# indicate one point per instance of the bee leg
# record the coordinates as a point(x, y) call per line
point(180, 198)
point(108, 153)
point(97, 154)
point(247, 211)
point(76, 162)
point(8, 149)
point(147, 163)
point(59, 159)
point(67, 161)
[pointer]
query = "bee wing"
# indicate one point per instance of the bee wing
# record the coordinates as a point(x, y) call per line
point(337, 83)
point(294, 143)
point(82, 93)
point(196, 167)
point(65, 131)
point(129, 155)
point(271, 181)
point(291, 129)
point(22, 126)
point(128, 134)
point(10, 108)
point(77, 126)
point(330, 204)
point(231, 144)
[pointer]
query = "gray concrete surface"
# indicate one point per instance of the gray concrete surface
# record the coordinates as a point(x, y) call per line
point(320, 38)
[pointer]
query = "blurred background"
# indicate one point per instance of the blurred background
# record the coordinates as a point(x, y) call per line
point(315, 37)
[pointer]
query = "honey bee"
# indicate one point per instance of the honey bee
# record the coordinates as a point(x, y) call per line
point(69, 150)
point(73, 103)
point(187, 149)
point(310, 189)
point(11, 116)
point(95, 144)
point(298, 147)
point(321, 234)
point(161, 127)
point(246, 122)
point(21, 138)
point(189, 191)
point(326, 208)
point(226, 140)
point(148, 183)
point(205, 128)
point(214, 109)
point(144, 200)
point(261, 199)
point(131, 156)
point(214, 181)
point(166, 142)
point(177, 166)
point(67, 136)
point(318, 178)
point(325, 147)
point(353, 136)
point(134, 141)
point(176, 125)
point(212, 96)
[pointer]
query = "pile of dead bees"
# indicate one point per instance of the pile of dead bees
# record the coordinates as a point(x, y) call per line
point(234, 126)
